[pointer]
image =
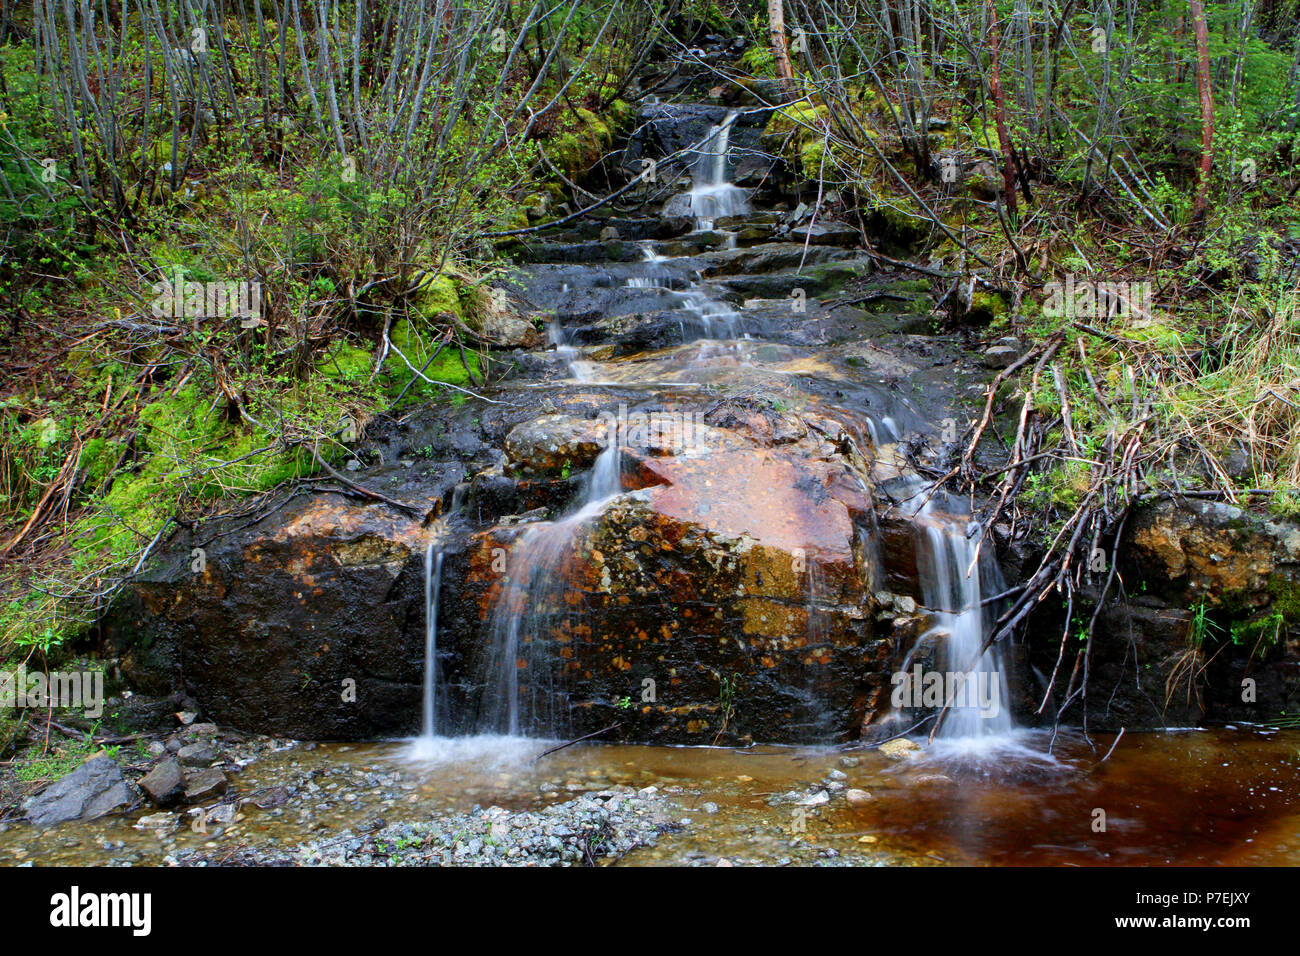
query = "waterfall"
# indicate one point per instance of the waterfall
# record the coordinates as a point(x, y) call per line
point(433, 557)
point(956, 577)
point(713, 195)
point(716, 319)
point(567, 353)
point(530, 601)
point(953, 585)
point(432, 587)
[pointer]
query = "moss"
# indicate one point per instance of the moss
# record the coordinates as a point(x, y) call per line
point(98, 456)
point(581, 143)
point(417, 344)
point(795, 132)
point(987, 307)
point(438, 293)
point(188, 448)
point(346, 364)
point(1286, 597)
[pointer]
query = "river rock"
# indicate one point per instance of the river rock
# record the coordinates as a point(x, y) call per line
point(295, 627)
point(771, 257)
point(506, 329)
point(93, 789)
point(1244, 567)
point(553, 443)
point(826, 233)
point(204, 785)
point(165, 783)
point(737, 550)
point(857, 798)
point(160, 822)
point(199, 731)
point(999, 356)
point(899, 749)
point(197, 755)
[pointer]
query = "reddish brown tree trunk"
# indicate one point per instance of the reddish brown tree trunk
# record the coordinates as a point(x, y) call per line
point(1207, 108)
point(1000, 112)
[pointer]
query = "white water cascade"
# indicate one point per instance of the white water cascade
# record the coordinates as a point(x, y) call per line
point(715, 318)
point(955, 578)
point(531, 598)
point(433, 558)
point(713, 195)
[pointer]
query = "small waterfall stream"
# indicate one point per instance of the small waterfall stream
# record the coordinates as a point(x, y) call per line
point(433, 561)
point(518, 685)
point(955, 580)
point(432, 591)
point(532, 596)
point(713, 195)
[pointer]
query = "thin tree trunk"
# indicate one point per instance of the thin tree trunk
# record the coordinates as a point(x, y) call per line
point(1000, 112)
point(780, 50)
point(1207, 108)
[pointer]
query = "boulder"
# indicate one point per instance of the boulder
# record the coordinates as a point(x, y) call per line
point(552, 444)
point(826, 233)
point(999, 356)
point(197, 755)
point(94, 789)
point(724, 596)
point(165, 783)
point(1213, 550)
point(204, 785)
point(297, 625)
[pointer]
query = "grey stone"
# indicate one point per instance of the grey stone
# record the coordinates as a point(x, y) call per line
point(205, 784)
point(165, 782)
point(95, 788)
point(999, 356)
point(157, 821)
point(197, 755)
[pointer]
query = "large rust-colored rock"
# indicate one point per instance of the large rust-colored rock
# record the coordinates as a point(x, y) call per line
point(734, 576)
point(295, 625)
point(1213, 550)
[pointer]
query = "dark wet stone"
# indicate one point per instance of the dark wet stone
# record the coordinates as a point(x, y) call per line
point(287, 610)
point(197, 755)
point(204, 785)
point(95, 788)
point(165, 783)
point(827, 234)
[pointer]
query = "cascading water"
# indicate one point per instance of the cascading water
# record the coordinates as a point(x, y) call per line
point(433, 560)
point(532, 600)
point(715, 318)
point(954, 576)
point(713, 195)
point(432, 590)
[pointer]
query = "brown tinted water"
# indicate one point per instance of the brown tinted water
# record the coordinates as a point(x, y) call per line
point(1192, 798)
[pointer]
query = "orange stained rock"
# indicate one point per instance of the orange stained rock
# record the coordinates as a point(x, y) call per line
point(758, 494)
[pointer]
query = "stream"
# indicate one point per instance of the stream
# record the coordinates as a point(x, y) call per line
point(1182, 798)
point(683, 323)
